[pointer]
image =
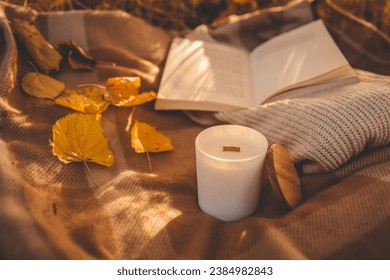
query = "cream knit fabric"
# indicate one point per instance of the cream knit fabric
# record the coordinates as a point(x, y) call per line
point(323, 130)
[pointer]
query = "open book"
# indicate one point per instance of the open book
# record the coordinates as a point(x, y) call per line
point(211, 76)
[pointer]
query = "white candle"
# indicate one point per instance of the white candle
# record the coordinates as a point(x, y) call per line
point(229, 182)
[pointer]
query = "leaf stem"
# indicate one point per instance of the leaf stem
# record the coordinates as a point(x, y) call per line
point(130, 119)
point(150, 162)
point(107, 120)
point(90, 173)
point(32, 65)
point(92, 85)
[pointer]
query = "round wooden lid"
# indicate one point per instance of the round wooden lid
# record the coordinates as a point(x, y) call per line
point(283, 176)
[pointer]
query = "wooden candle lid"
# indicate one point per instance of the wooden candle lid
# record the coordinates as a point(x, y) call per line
point(283, 177)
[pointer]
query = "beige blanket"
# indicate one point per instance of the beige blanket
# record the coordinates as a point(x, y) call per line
point(49, 210)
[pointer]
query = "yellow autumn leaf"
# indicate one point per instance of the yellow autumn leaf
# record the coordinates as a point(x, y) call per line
point(124, 92)
point(139, 99)
point(120, 88)
point(97, 96)
point(41, 86)
point(145, 138)
point(80, 138)
point(88, 100)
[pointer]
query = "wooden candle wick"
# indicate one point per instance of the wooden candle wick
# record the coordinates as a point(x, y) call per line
point(231, 149)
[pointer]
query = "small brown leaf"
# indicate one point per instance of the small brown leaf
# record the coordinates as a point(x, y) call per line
point(41, 86)
point(42, 52)
point(78, 58)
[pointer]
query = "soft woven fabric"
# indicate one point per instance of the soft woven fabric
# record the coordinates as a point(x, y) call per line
point(49, 210)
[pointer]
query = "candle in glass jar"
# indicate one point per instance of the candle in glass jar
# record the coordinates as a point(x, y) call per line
point(229, 163)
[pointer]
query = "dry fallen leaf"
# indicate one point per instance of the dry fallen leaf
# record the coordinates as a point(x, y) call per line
point(41, 86)
point(123, 91)
point(138, 99)
point(43, 53)
point(78, 58)
point(80, 138)
point(145, 138)
point(120, 88)
point(87, 100)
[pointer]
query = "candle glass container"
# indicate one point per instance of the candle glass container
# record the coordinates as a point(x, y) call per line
point(229, 164)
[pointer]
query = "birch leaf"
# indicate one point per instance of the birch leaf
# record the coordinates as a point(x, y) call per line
point(41, 86)
point(97, 96)
point(87, 100)
point(80, 138)
point(145, 138)
point(139, 99)
point(123, 92)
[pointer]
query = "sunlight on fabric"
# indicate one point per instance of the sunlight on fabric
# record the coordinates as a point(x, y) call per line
point(244, 234)
point(137, 199)
point(151, 175)
point(18, 117)
point(236, 18)
point(159, 52)
point(13, 209)
point(5, 161)
point(137, 219)
point(154, 208)
point(42, 176)
point(8, 107)
point(243, 237)
point(156, 218)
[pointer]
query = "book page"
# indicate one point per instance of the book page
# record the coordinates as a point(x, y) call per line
point(202, 75)
point(307, 53)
